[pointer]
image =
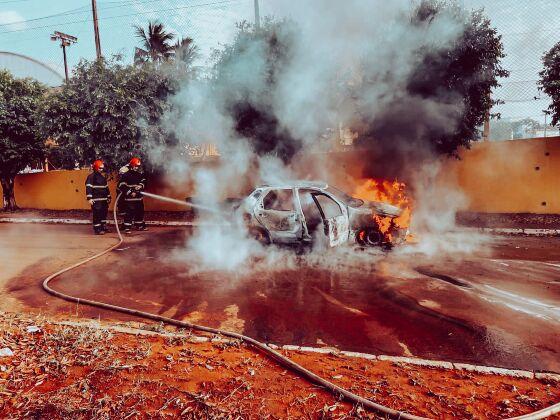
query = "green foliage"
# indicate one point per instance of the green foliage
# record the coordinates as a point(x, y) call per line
point(108, 111)
point(550, 81)
point(156, 42)
point(461, 74)
point(455, 74)
point(20, 142)
point(185, 51)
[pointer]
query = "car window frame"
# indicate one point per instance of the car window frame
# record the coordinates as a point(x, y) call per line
point(318, 204)
point(264, 196)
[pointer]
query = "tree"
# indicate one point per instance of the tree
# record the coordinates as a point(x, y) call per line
point(110, 111)
point(185, 51)
point(20, 142)
point(455, 79)
point(156, 42)
point(550, 81)
point(450, 61)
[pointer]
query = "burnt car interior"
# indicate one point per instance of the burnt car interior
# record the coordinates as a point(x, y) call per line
point(279, 200)
point(317, 208)
point(279, 215)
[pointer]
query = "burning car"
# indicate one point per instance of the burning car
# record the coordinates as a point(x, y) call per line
point(302, 212)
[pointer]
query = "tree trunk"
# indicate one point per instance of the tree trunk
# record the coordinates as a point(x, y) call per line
point(8, 197)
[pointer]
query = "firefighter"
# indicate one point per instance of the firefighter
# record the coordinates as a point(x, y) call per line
point(131, 185)
point(121, 209)
point(98, 196)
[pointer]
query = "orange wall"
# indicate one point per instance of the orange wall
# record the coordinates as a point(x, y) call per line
point(65, 190)
point(496, 177)
point(514, 176)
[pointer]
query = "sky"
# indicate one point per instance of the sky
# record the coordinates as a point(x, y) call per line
point(26, 25)
point(529, 28)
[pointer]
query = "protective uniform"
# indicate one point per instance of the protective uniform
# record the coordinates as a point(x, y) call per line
point(132, 183)
point(97, 192)
point(120, 204)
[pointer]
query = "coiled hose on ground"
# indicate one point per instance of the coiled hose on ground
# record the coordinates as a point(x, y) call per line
point(273, 354)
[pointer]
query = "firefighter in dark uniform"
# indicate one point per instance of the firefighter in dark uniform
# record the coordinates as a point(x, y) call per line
point(98, 196)
point(131, 185)
point(121, 208)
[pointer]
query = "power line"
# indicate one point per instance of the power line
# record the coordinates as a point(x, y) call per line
point(68, 12)
point(83, 9)
point(82, 31)
point(12, 1)
point(127, 15)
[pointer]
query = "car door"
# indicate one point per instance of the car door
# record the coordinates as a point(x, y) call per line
point(335, 219)
point(277, 213)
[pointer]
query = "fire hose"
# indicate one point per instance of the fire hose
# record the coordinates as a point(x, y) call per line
point(273, 354)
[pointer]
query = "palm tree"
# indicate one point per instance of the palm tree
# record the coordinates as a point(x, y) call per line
point(185, 50)
point(156, 43)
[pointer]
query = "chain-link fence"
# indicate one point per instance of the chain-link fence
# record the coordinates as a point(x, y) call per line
point(529, 30)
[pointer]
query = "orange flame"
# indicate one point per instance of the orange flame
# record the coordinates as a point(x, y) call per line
point(391, 192)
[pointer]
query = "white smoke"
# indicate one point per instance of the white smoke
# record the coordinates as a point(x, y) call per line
point(434, 217)
point(337, 40)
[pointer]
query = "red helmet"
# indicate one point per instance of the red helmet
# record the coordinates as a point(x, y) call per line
point(135, 162)
point(98, 164)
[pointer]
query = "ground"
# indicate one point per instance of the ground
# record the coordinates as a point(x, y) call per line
point(93, 371)
point(495, 305)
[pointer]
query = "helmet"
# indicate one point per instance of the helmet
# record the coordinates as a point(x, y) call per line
point(98, 164)
point(135, 162)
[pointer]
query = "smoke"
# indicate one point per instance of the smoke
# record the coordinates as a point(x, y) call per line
point(434, 215)
point(274, 93)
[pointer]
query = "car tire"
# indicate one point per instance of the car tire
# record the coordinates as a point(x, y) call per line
point(370, 237)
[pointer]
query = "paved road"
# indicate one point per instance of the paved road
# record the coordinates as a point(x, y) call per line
point(499, 306)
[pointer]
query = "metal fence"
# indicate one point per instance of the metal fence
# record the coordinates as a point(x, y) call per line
point(529, 29)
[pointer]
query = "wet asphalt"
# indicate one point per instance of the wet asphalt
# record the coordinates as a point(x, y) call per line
point(499, 306)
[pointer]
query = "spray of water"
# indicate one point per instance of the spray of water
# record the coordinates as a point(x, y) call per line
point(183, 203)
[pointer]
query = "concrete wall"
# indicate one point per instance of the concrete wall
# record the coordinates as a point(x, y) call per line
point(516, 176)
point(65, 190)
point(513, 176)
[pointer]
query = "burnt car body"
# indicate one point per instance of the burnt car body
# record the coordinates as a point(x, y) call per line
point(302, 212)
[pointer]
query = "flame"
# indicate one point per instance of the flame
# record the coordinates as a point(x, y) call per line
point(391, 192)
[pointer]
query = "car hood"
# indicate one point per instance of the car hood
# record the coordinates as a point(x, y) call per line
point(383, 209)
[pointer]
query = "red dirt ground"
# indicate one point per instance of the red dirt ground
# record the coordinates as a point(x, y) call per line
point(85, 372)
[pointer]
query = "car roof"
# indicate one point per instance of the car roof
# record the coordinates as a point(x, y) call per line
point(296, 184)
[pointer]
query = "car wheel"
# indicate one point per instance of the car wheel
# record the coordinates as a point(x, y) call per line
point(370, 237)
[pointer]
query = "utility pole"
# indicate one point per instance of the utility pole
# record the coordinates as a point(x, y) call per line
point(96, 29)
point(65, 41)
point(257, 15)
point(486, 130)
